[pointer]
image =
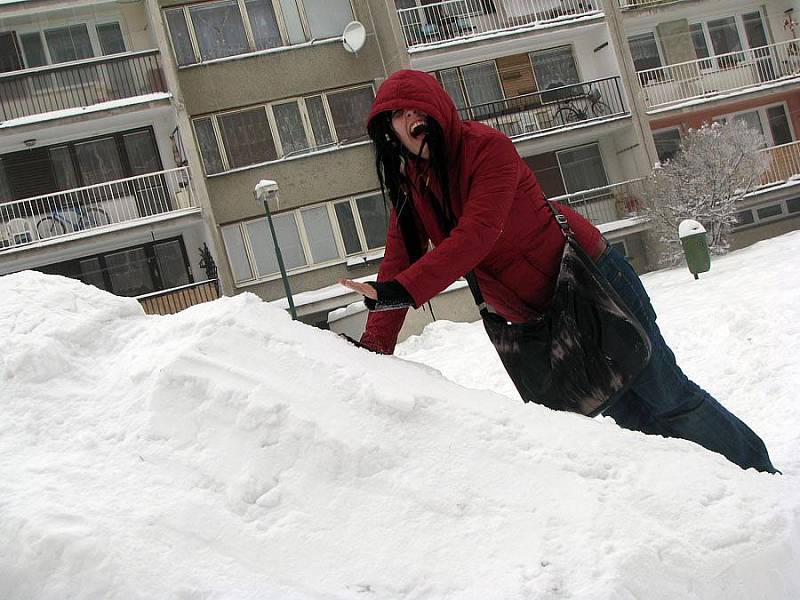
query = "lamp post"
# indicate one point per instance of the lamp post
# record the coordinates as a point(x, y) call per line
point(264, 192)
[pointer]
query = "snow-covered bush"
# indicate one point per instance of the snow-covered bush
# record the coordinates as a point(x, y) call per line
point(715, 167)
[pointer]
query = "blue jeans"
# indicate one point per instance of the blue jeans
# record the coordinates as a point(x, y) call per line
point(662, 400)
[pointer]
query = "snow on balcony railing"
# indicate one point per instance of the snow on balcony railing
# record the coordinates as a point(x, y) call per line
point(555, 108)
point(462, 19)
point(608, 203)
point(79, 83)
point(719, 74)
point(93, 208)
point(784, 163)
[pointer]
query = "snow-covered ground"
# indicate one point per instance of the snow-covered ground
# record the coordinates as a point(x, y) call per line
point(228, 452)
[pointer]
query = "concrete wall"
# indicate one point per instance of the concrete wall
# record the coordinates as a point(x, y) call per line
point(751, 235)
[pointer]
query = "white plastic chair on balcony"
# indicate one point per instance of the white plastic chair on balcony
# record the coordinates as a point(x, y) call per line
point(20, 232)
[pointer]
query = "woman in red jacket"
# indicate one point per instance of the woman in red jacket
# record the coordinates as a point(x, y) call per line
point(462, 188)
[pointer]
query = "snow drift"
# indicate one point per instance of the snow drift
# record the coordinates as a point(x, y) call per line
point(228, 452)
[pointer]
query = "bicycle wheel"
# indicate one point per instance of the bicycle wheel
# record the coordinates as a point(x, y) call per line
point(566, 115)
point(601, 109)
point(50, 227)
point(95, 217)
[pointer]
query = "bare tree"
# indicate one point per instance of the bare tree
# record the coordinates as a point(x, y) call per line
point(716, 165)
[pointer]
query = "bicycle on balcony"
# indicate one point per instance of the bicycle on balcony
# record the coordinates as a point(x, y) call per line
point(581, 107)
point(59, 222)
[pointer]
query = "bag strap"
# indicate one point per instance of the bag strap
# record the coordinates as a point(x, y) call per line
point(472, 280)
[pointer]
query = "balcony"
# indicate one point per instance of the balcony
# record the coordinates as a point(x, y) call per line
point(552, 109)
point(603, 205)
point(79, 84)
point(434, 24)
point(625, 4)
point(784, 163)
point(722, 74)
point(95, 209)
point(171, 301)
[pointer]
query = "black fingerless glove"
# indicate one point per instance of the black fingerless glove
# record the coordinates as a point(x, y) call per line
point(391, 296)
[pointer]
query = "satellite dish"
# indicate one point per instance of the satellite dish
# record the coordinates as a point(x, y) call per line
point(354, 37)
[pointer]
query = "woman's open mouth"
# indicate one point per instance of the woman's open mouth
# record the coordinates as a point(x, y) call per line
point(417, 129)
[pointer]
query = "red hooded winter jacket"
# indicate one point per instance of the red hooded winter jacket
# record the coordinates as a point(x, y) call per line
point(505, 231)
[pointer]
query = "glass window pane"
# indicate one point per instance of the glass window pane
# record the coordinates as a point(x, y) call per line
point(111, 40)
point(779, 125)
point(33, 49)
point(745, 217)
point(179, 33)
point(554, 68)
point(5, 186)
point(349, 110)
point(347, 226)
point(63, 169)
point(237, 256)
point(644, 51)
point(264, 248)
point(99, 161)
point(483, 86)
point(69, 43)
point(700, 44)
point(92, 273)
point(219, 29)
point(319, 232)
point(294, 26)
point(374, 217)
point(264, 24)
point(142, 153)
point(768, 212)
point(793, 205)
point(290, 128)
point(207, 141)
point(724, 35)
point(754, 30)
point(327, 18)
point(668, 143)
point(129, 272)
point(319, 121)
point(753, 121)
point(171, 264)
point(247, 137)
point(451, 82)
point(582, 168)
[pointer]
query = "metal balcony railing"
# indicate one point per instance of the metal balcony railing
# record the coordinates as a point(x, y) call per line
point(608, 203)
point(173, 300)
point(94, 208)
point(784, 163)
point(643, 3)
point(79, 83)
point(729, 72)
point(555, 108)
point(463, 19)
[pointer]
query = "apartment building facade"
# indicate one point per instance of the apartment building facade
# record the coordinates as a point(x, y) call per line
point(94, 183)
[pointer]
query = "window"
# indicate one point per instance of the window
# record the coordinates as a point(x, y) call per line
point(644, 51)
point(482, 85)
point(793, 205)
point(68, 43)
point(745, 217)
point(668, 143)
point(770, 212)
point(582, 168)
point(451, 82)
point(308, 236)
point(771, 122)
point(779, 125)
point(111, 40)
point(99, 161)
point(725, 39)
point(554, 68)
point(245, 137)
point(224, 28)
point(33, 49)
point(700, 45)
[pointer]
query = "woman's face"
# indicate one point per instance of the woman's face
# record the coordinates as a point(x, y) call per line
point(410, 127)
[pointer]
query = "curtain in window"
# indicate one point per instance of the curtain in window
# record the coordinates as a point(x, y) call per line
point(350, 110)
point(247, 137)
point(554, 68)
point(219, 29)
point(264, 24)
point(582, 168)
point(327, 18)
point(644, 51)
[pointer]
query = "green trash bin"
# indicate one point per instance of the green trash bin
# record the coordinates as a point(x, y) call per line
point(695, 246)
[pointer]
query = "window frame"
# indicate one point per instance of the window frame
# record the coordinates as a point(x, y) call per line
point(273, 125)
point(305, 242)
point(761, 111)
point(91, 26)
point(250, 38)
point(712, 63)
point(758, 220)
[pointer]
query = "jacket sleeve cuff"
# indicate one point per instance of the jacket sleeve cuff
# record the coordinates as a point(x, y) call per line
point(391, 296)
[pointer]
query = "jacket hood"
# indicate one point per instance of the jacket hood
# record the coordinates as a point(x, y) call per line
point(420, 91)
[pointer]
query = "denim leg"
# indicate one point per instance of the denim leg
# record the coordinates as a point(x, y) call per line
point(662, 400)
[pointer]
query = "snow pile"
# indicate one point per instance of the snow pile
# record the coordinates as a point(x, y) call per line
point(228, 452)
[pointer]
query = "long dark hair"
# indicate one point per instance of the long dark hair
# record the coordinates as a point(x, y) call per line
point(389, 157)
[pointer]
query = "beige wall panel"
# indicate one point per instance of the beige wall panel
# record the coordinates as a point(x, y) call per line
point(746, 237)
point(302, 181)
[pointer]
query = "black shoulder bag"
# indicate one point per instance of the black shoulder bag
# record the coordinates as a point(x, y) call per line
point(585, 350)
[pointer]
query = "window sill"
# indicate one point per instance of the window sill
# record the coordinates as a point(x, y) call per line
point(289, 158)
point(268, 51)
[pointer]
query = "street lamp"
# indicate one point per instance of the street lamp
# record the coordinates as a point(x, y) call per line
point(266, 191)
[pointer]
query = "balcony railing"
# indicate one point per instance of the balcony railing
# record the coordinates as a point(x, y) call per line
point(463, 19)
point(729, 72)
point(643, 3)
point(608, 203)
point(94, 208)
point(784, 163)
point(80, 83)
point(555, 108)
point(171, 301)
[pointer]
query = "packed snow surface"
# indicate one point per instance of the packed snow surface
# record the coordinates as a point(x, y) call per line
point(228, 452)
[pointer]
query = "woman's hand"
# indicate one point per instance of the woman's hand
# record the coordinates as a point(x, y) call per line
point(362, 288)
